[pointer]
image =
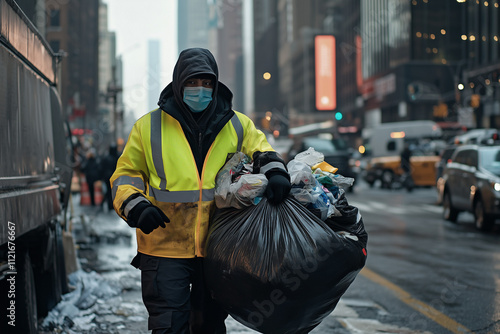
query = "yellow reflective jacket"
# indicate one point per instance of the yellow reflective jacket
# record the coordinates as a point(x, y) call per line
point(158, 164)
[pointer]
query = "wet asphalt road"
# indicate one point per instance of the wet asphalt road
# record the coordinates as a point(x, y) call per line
point(423, 275)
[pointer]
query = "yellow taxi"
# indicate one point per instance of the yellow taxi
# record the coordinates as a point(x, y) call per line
point(388, 170)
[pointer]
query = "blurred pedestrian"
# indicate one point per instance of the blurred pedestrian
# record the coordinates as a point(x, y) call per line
point(405, 158)
point(164, 186)
point(90, 167)
point(107, 168)
point(407, 178)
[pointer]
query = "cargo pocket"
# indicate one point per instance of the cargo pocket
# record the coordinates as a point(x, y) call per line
point(159, 315)
point(149, 272)
point(161, 321)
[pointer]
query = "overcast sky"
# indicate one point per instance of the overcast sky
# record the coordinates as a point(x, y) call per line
point(135, 23)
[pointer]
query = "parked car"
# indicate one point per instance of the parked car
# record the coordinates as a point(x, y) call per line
point(388, 170)
point(478, 136)
point(444, 158)
point(336, 152)
point(472, 184)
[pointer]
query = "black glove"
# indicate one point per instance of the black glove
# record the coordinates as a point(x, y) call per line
point(278, 188)
point(147, 217)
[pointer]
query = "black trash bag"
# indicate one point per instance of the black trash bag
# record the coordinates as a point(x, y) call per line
point(279, 269)
point(348, 221)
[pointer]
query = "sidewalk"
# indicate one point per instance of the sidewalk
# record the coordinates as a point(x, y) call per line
point(106, 290)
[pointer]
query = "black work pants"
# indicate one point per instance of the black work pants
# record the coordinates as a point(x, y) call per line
point(90, 183)
point(174, 293)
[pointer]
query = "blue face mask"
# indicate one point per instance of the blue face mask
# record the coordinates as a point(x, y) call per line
point(197, 98)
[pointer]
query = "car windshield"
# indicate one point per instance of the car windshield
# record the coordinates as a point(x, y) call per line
point(489, 158)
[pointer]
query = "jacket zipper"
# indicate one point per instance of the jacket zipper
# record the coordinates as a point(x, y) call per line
point(198, 223)
point(200, 146)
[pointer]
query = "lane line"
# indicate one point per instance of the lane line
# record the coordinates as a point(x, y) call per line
point(416, 304)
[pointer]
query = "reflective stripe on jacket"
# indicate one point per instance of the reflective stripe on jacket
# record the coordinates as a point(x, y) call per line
point(158, 163)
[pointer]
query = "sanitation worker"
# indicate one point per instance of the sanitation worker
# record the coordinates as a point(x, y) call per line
point(164, 184)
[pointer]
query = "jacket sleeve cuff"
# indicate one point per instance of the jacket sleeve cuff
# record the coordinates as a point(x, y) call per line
point(269, 163)
point(130, 203)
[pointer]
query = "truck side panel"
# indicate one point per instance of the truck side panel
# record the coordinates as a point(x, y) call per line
point(27, 152)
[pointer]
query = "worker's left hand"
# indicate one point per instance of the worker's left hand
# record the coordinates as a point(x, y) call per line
point(278, 188)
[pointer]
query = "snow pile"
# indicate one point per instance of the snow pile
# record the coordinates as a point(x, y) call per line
point(79, 308)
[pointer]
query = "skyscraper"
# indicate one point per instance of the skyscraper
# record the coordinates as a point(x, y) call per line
point(154, 70)
point(193, 21)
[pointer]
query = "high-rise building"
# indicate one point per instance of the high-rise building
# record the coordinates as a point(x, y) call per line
point(267, 103)
point(480, 49)
point(72, 28)
point(299, 22)
point(154, 68)
point(193, 23)
point(410, 53)
point(110, 119)
point(217, 26)
point(226, 21)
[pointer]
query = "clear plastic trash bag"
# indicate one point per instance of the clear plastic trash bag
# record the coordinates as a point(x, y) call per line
point(280, 269)
point(235, 186)
point(310, 157)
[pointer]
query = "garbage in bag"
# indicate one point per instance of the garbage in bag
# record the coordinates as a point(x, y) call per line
point(310, 157)
point(314, 183)
point(236, 186)
point(280, 269)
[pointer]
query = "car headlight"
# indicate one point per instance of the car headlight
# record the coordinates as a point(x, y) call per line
point(496, 186)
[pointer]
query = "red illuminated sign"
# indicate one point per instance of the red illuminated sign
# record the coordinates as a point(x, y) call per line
point(326, 80)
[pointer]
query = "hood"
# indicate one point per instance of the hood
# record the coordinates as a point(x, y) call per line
point(195, 62)
point(199, 128)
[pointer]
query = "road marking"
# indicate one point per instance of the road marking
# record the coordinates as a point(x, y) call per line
point(416, 304)
point(362, 207)
point(377, 207)
point(347, 316)
point(433, 208)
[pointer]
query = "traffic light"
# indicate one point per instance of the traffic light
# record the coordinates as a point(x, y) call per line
point(338, 116)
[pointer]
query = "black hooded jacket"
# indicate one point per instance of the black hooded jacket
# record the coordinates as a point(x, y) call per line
point(200, 128)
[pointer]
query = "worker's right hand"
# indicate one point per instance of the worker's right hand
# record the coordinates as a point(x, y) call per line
point(151, 218)
point(278, 188)
point(148, 217)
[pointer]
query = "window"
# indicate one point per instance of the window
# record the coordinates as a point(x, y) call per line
point(460, 158)
point(391, 146)
point(55, 18)
point(55, 45)
point(467, 157)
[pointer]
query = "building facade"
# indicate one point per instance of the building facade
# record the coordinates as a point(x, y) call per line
point(73, 27)
point(193, 23)
point(480, 36)
point(395, 60)
point(110, 112)
point(435, 60)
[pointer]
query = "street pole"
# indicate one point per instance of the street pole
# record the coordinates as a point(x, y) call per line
point(113, 90)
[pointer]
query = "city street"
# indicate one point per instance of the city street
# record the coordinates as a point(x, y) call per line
point(423, 275)
point(402, 96)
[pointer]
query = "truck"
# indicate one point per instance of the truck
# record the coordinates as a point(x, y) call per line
point(35, 175)
point(384, 144)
